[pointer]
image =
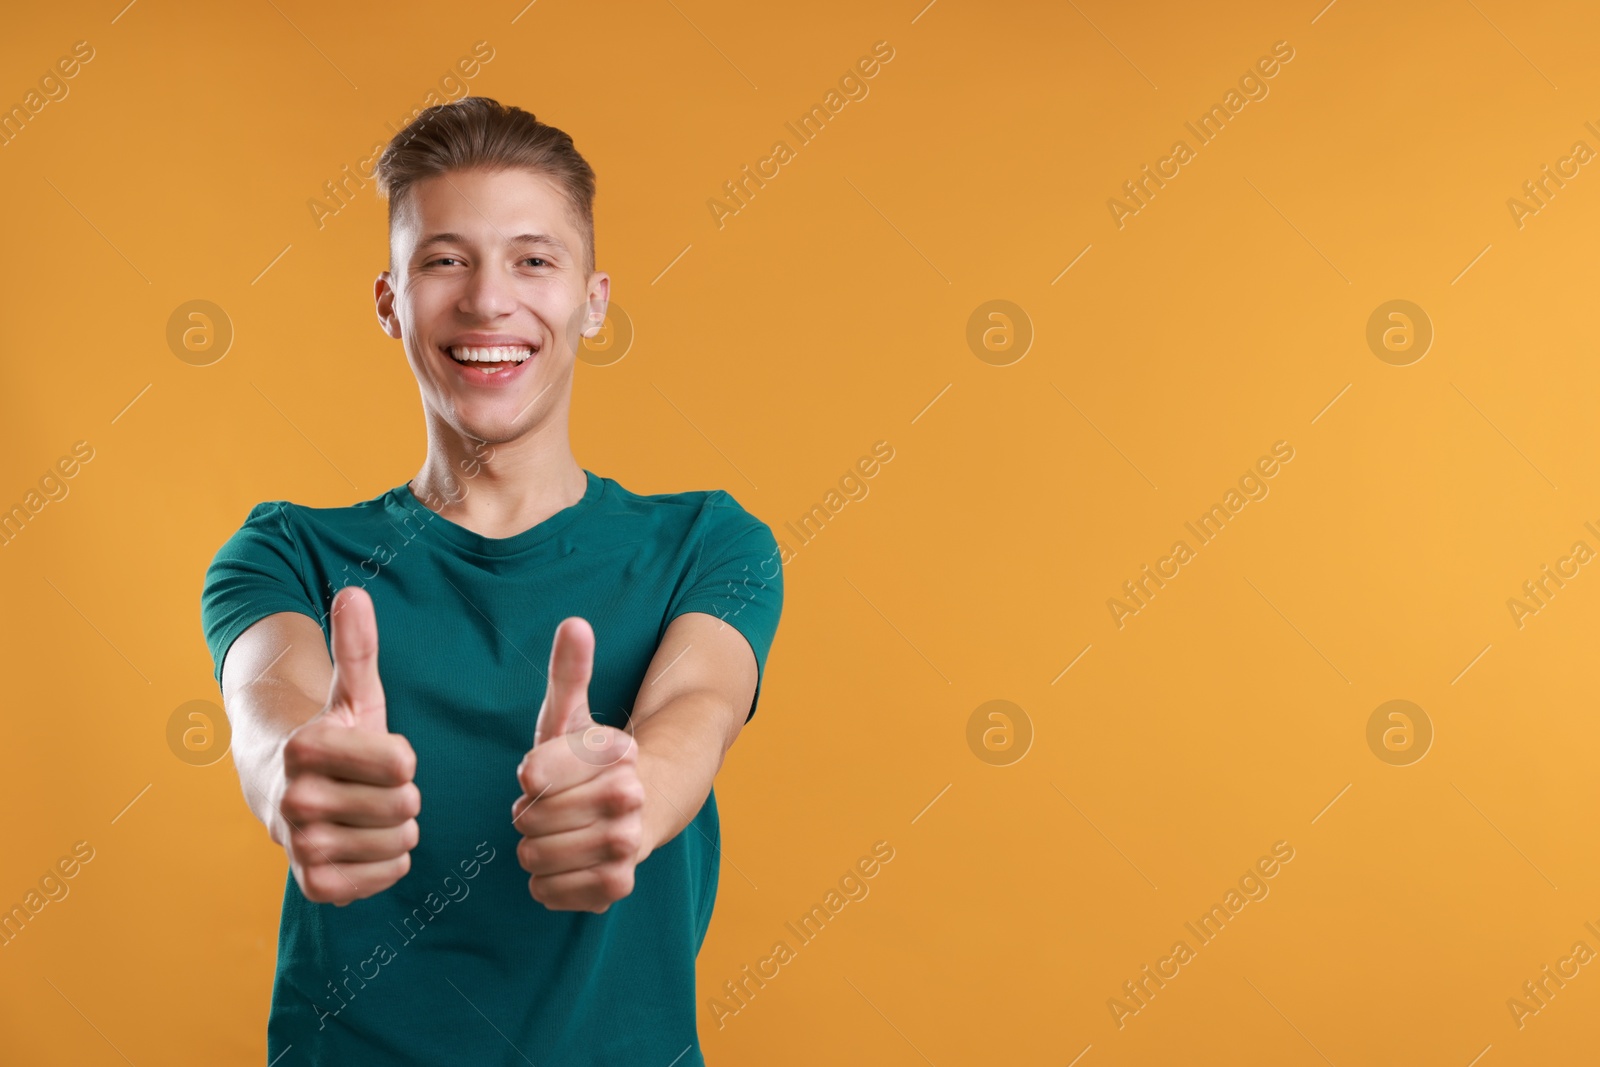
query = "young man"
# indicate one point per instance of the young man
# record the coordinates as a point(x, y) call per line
point(491, 862)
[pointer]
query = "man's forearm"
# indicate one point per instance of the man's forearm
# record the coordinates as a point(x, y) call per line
point(681, 748)
point(271, 679)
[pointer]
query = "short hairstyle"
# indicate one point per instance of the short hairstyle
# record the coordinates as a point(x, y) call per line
point(477, 132)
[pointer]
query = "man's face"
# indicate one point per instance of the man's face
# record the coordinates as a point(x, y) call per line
point(490, 294)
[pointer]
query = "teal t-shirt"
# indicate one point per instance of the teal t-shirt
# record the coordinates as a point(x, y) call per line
point(456, 963)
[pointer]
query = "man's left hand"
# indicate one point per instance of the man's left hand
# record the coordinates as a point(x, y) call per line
point(581, 809)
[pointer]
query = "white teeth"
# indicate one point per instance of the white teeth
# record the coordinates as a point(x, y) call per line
point(497, 354)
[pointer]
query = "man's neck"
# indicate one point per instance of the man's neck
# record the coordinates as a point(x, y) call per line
point(499, 490)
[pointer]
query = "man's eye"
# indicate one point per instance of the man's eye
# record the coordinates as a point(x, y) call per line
point(536, 259)
point(441, 259)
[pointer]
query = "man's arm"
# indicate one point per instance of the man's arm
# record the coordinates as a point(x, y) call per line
point(315, 758)
point(694, 702)
point(275, 677)
point(597, 800)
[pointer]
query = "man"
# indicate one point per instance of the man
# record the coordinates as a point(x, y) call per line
point(491, 862)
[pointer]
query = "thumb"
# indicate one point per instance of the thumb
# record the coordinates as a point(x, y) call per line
point(566, 696)
point(356, 686)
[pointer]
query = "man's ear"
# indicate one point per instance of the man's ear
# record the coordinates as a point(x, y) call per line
point(599, 295)
point(383, 294)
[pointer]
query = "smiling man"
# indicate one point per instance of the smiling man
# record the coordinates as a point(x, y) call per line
point(499, 820)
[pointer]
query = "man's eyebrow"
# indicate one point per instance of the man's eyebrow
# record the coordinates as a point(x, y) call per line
point(520, 239)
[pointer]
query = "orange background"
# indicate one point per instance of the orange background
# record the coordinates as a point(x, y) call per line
point(826, 315)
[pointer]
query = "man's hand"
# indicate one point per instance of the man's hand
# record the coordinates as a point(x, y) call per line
point(348, 804)
point(580, 812)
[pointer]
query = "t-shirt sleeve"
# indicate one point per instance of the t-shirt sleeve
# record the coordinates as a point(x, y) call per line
point(738, 578)
point(257, 572)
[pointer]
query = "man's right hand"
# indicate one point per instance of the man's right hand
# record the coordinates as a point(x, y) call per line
point(348, 803)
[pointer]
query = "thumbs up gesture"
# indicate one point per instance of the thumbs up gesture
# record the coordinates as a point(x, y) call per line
point(348, 803)
point(580, 810)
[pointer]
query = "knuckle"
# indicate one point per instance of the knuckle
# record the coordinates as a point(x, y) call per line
point(324, 885)
point(527, 854)
point(300, 803)
point(621, 841)
point(298, 751)
point(410, 834)
point(310, 846)
point(624, 794)
point(410, 801)
point(403, 759)
point(535, 780)
point(616, 881)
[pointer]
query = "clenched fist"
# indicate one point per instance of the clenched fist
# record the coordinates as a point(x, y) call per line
point(580, 813)
point(348, 803)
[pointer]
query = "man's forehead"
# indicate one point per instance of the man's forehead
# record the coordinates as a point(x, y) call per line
point(450, 237)
point(426, 219)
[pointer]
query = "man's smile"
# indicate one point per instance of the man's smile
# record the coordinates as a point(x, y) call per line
point(483, 359)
